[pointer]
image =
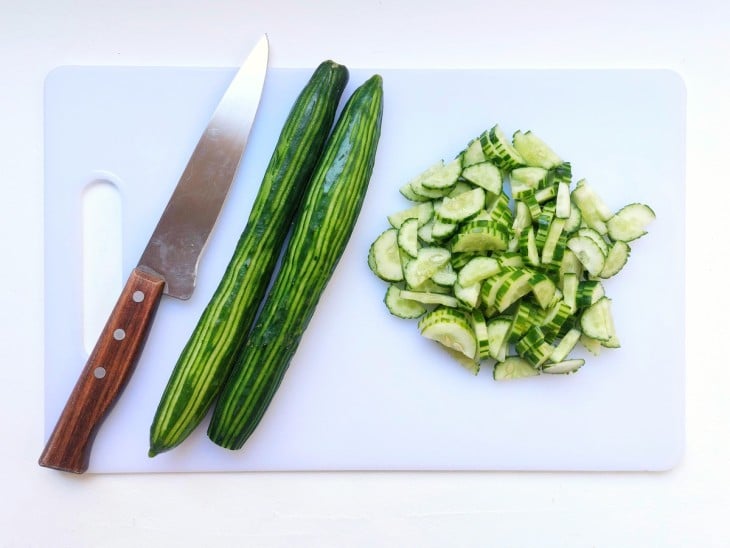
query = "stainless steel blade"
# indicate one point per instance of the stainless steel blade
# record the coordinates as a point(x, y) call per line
point(178, 240)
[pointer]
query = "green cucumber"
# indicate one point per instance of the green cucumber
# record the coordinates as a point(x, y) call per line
point(616, 259)
point(384, 257)
point(408, 237)
point(425, 297)
point(462, 207)
point(422, 211)
point(597, 323)
point(478, 269)
point(593, 209)
point(534, 151)
point(472, 154)
point(400, 306)
point(499, 150)
point(452, 328)
point(630, 222)
point(209, 354)
point(481, 332)
point(513, 367)
point(436, 180)
point(480, 236)
point(564, 368)
point(526, 179)
point(485, 175)
point(428, 261)
point(319, 235)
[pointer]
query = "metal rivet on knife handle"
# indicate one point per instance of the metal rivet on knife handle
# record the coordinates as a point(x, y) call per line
point(107, 371)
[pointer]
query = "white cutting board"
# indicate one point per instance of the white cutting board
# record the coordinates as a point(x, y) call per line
point(365, 391)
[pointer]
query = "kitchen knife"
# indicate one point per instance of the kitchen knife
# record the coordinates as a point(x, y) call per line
point(168, 265)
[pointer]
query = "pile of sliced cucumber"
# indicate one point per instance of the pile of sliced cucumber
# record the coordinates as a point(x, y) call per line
point(500, 257)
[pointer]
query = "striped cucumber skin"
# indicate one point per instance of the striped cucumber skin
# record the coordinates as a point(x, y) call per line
point(319, 236)
point(218, 337)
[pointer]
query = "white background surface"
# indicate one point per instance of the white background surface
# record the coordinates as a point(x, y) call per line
point(685, 507)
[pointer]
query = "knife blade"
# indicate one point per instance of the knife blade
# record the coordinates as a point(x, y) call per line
point(168, 265)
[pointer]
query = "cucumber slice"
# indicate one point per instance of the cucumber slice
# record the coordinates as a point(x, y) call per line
point(443, 230)
point(543, 227)
point(597, 323)
point(588, 292)
point(498, 329)
point(616, 259)
point(526, 179)
point(513, 367)
point(557, 316)
point(562, 173)
point(459, 188)
point(485, 175)
point(429, 298)
point(438, 177)
point(468, 295)
point(402, 308)
point(422, 211)
point(565, 346)
point(498, 149)
point(482, 333)
point(533, 347)
point(480, 236)
point(546, 194)
point(429, 286)
point(428, 261)
point(564, 368)
point(473, 154)
point(630, 222)
point(438, 182)
point(570, 290)
point(411, 195)
point(498, 209)
point(491, 286)
point(471, 364)
point(514, 287)
point(528, 198)
point(384, 257)
point(525, 317)
point(528, 247)
point(425, 232)
point(408, 237)
point(459, 260)
point(562, 201)
point(574, 220)
point(445, 276)
point(595, 236)
point(462, 207)
point(453, 331)
point(478, 269)
point(592, 345)
point(543, 288)
point(534, 151)
point(522, 218)
point(589, 253)
point(552, 238)
point(511, 260)
point(593, 209)
point(570, 264)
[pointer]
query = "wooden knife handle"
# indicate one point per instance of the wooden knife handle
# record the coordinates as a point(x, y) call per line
point(105, 375)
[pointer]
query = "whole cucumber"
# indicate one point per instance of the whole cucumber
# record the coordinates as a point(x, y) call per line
point(319, 236)
point(209, 354)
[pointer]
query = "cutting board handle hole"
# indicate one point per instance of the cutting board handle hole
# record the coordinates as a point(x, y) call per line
point(101, 254)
